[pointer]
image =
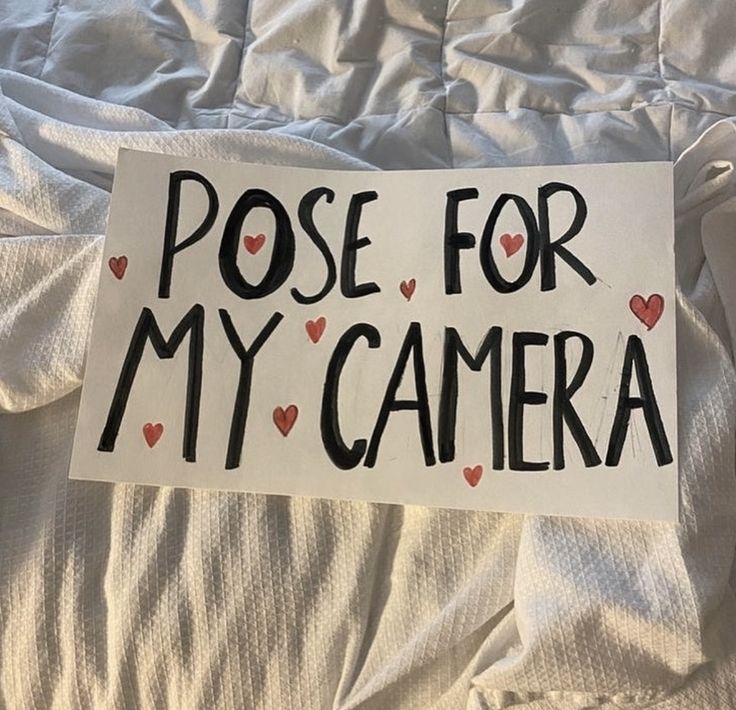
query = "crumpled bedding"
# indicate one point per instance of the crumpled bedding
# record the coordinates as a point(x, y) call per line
point(122, 596)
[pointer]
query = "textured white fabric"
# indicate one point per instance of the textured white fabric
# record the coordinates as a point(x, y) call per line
point(127, 596)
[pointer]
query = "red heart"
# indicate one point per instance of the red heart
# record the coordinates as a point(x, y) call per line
point(284, 419)
point(152, 433)
point(407, 288)
point(315, 328)
point(117, 265)
point(254, 244)
point(511, 244)
point(473, 475)
point(649, 311)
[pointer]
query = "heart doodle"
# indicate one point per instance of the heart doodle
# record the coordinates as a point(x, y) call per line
point(473, 475)
point(649, 311)
point(254, 244)
point(284, 418)
point(315, 328)
point(152, 433)
point(118, 265)
point(407, 288)
point(511, 244)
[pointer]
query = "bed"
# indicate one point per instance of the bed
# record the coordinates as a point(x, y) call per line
point(122, 596)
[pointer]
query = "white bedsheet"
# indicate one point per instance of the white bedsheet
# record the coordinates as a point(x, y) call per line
point(125, 596)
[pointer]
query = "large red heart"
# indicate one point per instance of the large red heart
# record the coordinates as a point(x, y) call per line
point(254, 244)
point(407, 288)
point(284, 418)
point(117, 265)
point(511, 244)
point(315, 328)
point(152, 433)
point(473, 475)
point(649, 311)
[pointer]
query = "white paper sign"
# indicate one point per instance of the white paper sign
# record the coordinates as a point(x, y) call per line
point(498, 339)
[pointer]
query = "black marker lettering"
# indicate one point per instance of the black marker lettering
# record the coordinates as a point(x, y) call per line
point(340, 454)
point(518, 398)
point(306, 210)
point(350, 248)
point(412, 346)
point(635, 356)
point(490, 346)
point(147, 329)
point(172, 222)
point(242, 396)
point(454, 240)
point(548, 249)
point(487, 260)
point(282, 256)
point(562, 409)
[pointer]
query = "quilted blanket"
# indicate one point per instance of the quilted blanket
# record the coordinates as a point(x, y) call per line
point(123, 596)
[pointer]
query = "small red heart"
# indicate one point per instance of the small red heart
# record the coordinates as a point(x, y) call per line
point(118, 265)
point(152, 433)
point(649, 311)
point(407, 288)
point(511, 244)
point(254, 244)
point(473, 475)
point(315, 328)
point(284, 418)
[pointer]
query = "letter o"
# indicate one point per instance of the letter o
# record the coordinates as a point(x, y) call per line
point(488, 263)
point(282, 256)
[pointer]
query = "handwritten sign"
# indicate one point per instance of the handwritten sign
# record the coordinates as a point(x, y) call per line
point(498, 339)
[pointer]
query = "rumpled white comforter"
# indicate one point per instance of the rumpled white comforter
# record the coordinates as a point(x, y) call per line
point(121, 596)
